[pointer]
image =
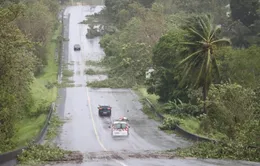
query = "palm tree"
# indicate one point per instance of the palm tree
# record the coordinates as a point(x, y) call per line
point(201, 41)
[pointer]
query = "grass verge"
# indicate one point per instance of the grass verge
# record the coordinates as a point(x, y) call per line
point(66, 74)
point(28, 127)
point(141, 91)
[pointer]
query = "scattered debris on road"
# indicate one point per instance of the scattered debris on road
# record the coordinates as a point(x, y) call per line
point(122, 155)
point(39, 154)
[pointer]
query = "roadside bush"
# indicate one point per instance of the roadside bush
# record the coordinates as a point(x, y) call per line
point(230, 107)
point(42, 109)
point(180, 109)
point(17, 63)
point(169, 123)
point(90, 72)
point(222, 150)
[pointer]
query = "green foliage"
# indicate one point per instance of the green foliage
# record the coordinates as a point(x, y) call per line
point(31, 121)
point(67, 73)
point(94, 72)
point(245, 11)
point(129, 51)
point(181, 109)
point(92, 32)
point(240, 66)
point(194, 6)
point(53, 127)
point(165, 80)
point(17, 63)
point(185, 48)
point(146, 3)
point(26, 130)
point(230, 108)
point(37, 23)
point(114, 82)
point(36, 154)
point(148, 111)
point(93, 63)
point(113, 8)
point(222, 150)
point(201, 41)
point(18, 60)
point(169, 123)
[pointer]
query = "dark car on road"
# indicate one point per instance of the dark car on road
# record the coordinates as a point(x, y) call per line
point(76, 47)
point(104, 110)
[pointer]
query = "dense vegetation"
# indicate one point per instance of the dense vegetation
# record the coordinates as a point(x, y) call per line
point(206, 58)
point(27, 67)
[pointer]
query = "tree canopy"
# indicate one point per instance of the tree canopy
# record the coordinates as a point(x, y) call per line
point(25, 27)
point(193, 46)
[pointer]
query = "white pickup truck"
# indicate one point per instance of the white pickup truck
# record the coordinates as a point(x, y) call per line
point(119, 128)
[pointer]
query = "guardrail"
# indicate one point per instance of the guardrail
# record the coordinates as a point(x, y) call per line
point(180, 130)
point(8, 156)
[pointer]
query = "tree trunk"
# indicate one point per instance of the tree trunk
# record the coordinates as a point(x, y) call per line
point(204, 93)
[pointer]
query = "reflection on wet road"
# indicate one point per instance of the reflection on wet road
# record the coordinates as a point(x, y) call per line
point(85, 131)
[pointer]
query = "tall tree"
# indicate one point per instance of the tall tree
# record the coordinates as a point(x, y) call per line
point(16, 66)
point(146, 3)
point(165, 80)
point(245, 11)
point(37, 24)
point(201, 41)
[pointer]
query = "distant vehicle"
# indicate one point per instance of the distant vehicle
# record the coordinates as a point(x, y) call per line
point(119, 128)
point(104, 110)
point(76, 47)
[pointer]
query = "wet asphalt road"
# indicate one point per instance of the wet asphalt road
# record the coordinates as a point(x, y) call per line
point(85, 131)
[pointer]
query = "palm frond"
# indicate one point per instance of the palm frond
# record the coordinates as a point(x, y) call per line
point(197, 33)
point(215, 65)
point(213, 33)
point(187, 71)
point(188, 58)
point(202, 42)
point(202, 38)
point(189, 43)
point(205, 26)
point(223, 41)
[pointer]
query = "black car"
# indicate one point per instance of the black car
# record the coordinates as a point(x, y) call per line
point(104, 110)
point(76, 47)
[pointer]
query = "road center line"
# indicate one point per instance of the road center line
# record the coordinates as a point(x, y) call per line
point(91, 112)
point(93, 122)
point(95, 129)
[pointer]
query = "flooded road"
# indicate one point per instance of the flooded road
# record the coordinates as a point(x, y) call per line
point(85, 131)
